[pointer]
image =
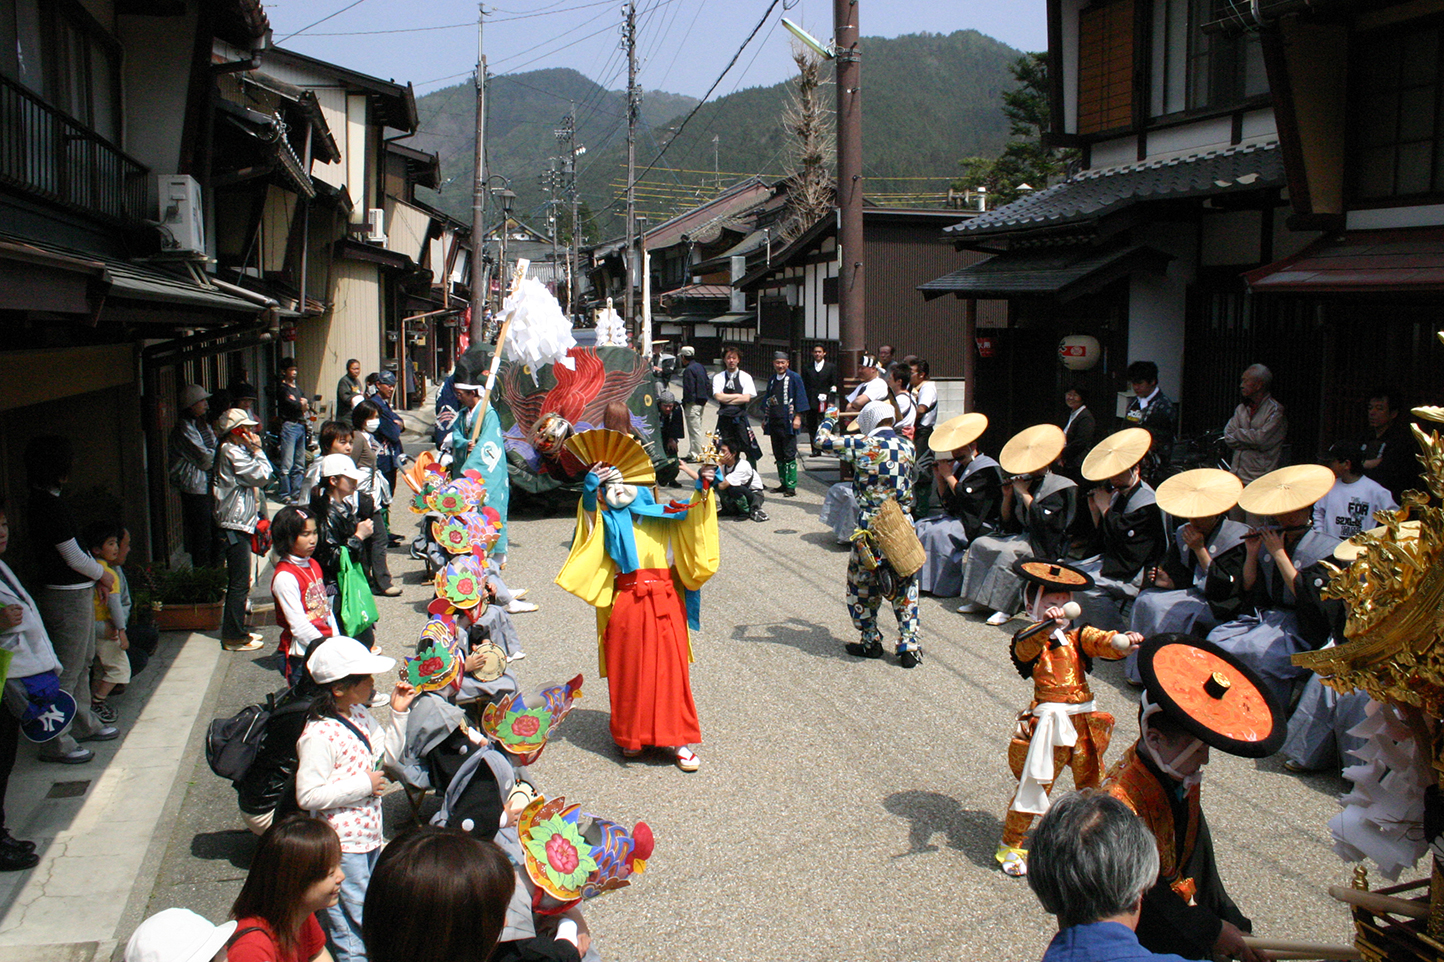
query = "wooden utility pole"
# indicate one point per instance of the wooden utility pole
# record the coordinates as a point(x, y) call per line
point(478, 195)
point(629, 35)
point(850, 287)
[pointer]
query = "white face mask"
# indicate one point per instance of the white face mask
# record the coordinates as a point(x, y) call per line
point(372, 425)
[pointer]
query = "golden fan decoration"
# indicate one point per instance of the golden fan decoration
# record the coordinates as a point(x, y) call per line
point(617, 449)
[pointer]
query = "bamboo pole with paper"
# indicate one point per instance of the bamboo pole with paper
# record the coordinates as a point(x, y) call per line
point(517, 275)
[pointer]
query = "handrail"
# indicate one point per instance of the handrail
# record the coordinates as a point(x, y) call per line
point(49, 154)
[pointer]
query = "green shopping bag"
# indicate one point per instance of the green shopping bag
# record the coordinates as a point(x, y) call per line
point(358, 608)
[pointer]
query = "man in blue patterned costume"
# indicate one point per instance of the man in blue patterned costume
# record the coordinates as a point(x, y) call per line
point(882, 461)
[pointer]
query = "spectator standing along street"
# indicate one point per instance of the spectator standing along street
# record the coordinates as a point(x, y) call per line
point(192, 452)
point(389, 430)
point(291, 407)
point(824, 387)
point(733, 389)
point(1257, 429)
point(242, 470)
point(1350, 505)
point(1388, 447)
point(347, 388)
point(696, 389)
point(1155, 412)
point(785, 405)
point(1081, 430)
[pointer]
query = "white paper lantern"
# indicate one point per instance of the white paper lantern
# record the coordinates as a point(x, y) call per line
point(1079, 352)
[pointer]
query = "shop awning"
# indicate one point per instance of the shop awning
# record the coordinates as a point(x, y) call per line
point(1380, 261)
point(1058, 272)
point(734, 320)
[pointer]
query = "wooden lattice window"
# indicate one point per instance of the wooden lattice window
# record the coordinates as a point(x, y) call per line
point(1105, 67)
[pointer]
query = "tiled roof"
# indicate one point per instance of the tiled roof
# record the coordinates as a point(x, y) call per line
point(1093, 193)
point(1059, 272)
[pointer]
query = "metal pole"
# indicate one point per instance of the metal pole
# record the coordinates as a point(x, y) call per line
point(851, 303)
point(478, 195)
point(630, 35)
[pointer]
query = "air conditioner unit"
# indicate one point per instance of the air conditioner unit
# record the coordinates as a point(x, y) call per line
point(375, 225)
point(180, 213)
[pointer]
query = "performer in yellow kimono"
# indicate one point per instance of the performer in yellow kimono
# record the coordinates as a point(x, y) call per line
point(619, 565)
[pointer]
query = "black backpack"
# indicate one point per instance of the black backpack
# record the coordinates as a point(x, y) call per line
point(232, 743)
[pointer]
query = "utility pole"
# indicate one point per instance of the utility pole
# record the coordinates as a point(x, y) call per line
point(478, 195)
point(851, 304)
point(566, 138)
point(717, 161)
point(575, 253)
point(629, 35)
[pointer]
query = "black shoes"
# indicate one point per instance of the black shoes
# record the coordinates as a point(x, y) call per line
point(15, 855)
point(10, 842)
point(789, 492)
point(759, 515)
point(872, 649)
point(910, 658)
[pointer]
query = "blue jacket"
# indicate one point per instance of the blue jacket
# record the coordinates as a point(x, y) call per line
point(1100, 942)
point(777, 416)
point(389, 433)
point(696, 385)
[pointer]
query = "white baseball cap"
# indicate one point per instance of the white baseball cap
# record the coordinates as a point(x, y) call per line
point(338, 658)
point(235, 418)
point(340, 464)
point(177, 935)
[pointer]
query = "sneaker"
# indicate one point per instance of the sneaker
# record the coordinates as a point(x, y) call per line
point(391, 592)
point(105, 734)
point(872, 649)
point(687, 759)
point(910, 658)
point(379, 699)
point(971, 608)
point(12, 860)
point(998, 618)
point(78, 756)
point(105, 712)
point(759, 515)
point(245, 644)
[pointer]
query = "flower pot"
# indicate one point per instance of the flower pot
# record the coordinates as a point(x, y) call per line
point(201, 617)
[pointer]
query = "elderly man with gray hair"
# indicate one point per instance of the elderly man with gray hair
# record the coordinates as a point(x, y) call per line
point(1090, 863)
point(1257, 429)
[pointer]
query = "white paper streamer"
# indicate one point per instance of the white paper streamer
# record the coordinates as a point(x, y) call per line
point(540, 332)
point(611, 329)
point(1383, 816)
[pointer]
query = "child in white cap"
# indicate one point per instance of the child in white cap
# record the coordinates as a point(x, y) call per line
point(338, 774)
point(178, 935)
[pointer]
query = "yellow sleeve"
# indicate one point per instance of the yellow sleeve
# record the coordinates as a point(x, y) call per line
point(696, 547)
point(589, 573)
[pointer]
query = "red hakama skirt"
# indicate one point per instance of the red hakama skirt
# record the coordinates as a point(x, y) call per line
point(647, 671)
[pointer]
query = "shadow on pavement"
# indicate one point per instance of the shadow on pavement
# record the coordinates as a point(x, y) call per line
point(795, 633)
point(971, 832)
point(825, 539)
point(590, 730)
point(235, 846)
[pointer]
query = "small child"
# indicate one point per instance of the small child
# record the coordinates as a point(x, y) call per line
point(298, 590)
point(338, 773)
point(112, 664)
point(739, 486)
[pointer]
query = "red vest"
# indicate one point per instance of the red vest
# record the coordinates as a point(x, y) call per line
point(313, 599)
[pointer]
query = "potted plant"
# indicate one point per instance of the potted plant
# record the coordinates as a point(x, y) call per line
point(184, 599)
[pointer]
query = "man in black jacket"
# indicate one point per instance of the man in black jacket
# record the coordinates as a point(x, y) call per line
point(696, 389)
point(823, 386)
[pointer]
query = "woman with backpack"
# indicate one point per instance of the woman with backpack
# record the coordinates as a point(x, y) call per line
point(296, 873)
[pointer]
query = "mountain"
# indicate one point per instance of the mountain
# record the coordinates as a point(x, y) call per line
point(929, 100)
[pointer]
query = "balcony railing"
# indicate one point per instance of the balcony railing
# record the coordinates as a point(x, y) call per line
point(48, 154)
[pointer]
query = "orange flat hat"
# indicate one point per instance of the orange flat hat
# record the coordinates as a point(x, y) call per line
point(1211, 694)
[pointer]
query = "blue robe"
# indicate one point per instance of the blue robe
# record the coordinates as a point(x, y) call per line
point(488, 458)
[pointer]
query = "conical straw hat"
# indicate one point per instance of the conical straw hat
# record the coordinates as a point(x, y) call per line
point(1351, 550)
point(1032, 449)
point(958, 432)
point(1116, 453)
point(1200, 493)
point(1288, 489)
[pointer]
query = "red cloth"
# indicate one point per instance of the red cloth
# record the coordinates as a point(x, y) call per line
point(313, 597)
point(261, 946)
point(647, 671)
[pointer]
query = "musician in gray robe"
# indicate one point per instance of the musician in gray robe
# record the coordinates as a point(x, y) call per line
point(969, 486)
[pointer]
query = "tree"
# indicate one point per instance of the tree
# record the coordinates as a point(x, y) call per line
point(1025, 160)
point(807, 124)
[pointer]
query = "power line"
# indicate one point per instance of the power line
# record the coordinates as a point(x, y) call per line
point(449, 26)
point(328, 16)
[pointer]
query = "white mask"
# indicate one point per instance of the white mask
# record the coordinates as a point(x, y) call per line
point(372, 425)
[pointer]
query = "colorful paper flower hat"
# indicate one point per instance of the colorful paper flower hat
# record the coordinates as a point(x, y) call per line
point(462, 582)
point(459, 533)
point(572, 855)
point(460, 496)
point(424, 477)
point(437, 664)
point(521, 723)
point(1212, 695)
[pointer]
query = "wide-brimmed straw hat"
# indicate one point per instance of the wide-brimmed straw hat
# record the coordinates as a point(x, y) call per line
point(1200, 493)
point(1116, 453)
point(1032, 449)
point(1292, 488)
point(958, 432)
point(1351, 549)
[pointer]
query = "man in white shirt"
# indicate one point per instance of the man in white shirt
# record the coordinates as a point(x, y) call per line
point(925, 402)
point(739, 486)
point(733, 390)
point(872, 388)
point(1349, 506)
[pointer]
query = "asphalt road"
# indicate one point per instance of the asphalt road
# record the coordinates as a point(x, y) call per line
point(845, 809)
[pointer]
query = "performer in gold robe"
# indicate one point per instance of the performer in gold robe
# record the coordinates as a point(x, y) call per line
point(619, 565)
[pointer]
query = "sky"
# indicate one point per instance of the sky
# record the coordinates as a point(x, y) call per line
point(683, 45)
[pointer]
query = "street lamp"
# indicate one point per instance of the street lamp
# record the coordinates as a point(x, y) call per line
point(506, 195)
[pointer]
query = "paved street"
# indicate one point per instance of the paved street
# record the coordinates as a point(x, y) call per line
point(845, 809)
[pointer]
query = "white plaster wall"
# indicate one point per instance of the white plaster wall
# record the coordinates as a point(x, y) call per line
point(1069, 18)
point(155, 77)
point(1114, 153)
point(1213, 134)
point(1157, 305)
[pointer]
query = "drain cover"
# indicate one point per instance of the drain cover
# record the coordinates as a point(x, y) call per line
point(68, 789)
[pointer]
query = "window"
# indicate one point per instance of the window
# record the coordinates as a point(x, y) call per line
point(1193, 70)
point(1395, 114)
point(1105, 67)
point(59, 51)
